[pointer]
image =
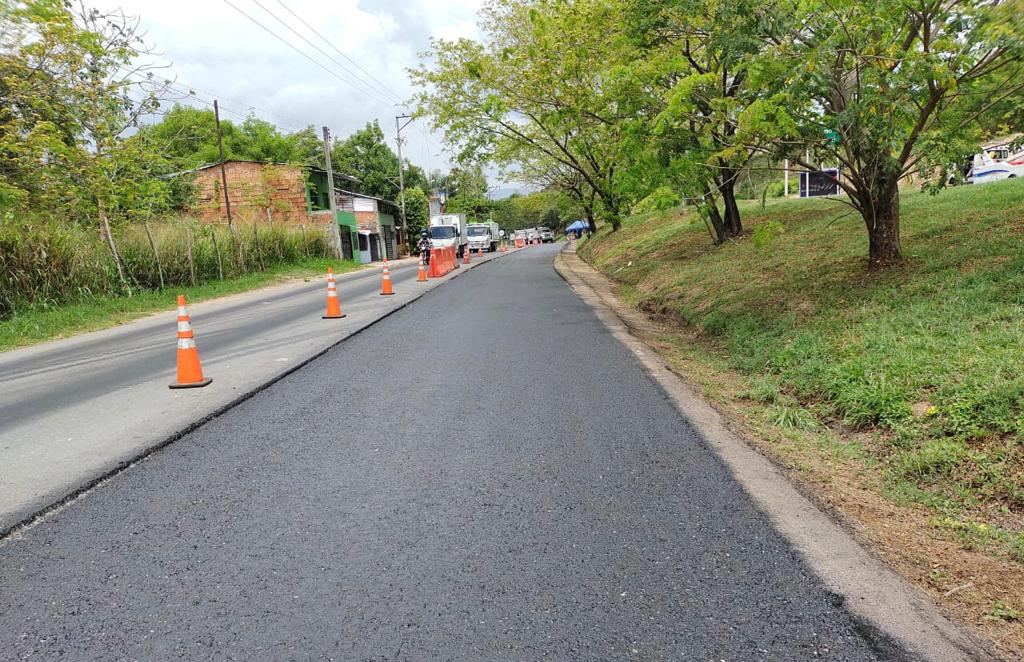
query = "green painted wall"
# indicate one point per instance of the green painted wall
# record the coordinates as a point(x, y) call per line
point(347, 223)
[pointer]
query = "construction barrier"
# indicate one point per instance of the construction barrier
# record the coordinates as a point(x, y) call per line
point(519, 242)
point(442, 261)
point(190, 371)
point(385, 281)
point(333, 311)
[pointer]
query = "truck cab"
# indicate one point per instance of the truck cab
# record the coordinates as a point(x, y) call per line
point(448, 230)
point(483, 236)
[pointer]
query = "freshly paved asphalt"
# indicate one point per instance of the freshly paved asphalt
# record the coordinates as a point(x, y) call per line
point(486, 474)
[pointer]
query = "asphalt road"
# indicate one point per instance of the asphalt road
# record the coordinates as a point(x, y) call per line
point(96, 367)
point(485, 475)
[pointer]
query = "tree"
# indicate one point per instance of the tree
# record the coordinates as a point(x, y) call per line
point(697, 56)
point(417, 212)
point(366, 156)
point(884, 88)
point(190, 139)
point(534, 88)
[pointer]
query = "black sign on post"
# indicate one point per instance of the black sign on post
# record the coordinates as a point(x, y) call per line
point(819, 183)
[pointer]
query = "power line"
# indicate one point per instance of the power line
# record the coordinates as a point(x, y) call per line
point(190, 92)
point(302, 53)
point(369, 77)
point(322, 52)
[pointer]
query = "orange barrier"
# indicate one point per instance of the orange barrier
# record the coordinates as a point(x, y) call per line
point(190, 371)
point(519, 242)
point(385, 283)
point(333, 305)
point(442, 261)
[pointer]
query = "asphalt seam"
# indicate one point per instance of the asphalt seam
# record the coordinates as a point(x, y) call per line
point(24, 524)
point(869, 588)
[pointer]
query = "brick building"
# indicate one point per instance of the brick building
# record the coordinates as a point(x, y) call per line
point(291, 193)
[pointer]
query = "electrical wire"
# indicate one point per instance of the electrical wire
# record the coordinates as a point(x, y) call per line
point(369, 77)
point(303, 53)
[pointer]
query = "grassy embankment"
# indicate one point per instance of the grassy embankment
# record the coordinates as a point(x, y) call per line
point(899, 393)
point(61, 280)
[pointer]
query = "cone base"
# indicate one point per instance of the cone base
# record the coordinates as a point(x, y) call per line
point(387, 294)
point(191, 384)
point(332, 317)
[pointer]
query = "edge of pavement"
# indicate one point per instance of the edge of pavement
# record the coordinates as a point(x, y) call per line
point(868, 588)
point(14, 530)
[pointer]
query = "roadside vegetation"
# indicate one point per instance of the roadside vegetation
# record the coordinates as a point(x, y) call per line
point(56, 280)
point(905, 382)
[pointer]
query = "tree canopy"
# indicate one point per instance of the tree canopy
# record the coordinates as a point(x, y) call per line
point(619, 103)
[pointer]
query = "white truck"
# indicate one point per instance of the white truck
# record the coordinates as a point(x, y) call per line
point(448, 230)
point(483, 236)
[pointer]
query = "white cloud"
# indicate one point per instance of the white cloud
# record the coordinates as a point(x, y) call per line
point(214, 49)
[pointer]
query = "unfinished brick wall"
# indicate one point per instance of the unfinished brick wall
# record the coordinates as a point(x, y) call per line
point(253, 188)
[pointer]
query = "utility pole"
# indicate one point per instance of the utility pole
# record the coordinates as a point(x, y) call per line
point(401, 174)
point(223, 172)
point(330, 185)
point(785, 193)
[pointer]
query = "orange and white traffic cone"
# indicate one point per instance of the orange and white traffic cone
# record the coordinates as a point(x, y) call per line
point(465, 255)
point(385, 283)
point(422, 277)
point(190, 372)
point(333, 305)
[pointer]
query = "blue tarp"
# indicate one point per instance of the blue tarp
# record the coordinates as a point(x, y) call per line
point(577, 226)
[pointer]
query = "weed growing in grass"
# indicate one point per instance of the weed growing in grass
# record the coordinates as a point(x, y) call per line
point(1003, 611)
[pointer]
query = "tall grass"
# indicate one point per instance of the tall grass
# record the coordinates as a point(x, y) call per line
point(47, 264)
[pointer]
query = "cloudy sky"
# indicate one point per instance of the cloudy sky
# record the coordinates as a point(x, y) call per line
point(216, 51)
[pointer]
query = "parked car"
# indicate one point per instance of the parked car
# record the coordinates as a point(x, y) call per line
point(546, 235)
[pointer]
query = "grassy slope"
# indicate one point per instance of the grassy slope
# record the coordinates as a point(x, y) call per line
point(31, 326)
point(916, 370)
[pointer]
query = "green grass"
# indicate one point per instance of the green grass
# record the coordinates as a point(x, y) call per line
point(40, 323)
point(928, 355)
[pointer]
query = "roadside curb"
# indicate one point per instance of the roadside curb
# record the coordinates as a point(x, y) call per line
point(867, 587)
point(13, 531)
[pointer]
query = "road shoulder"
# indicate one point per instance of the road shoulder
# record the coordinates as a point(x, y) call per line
point(868, 587)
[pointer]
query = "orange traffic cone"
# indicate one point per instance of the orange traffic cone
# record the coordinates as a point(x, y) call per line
point(190, 372)
point(422, 277)
point(465, 255)
point(385, 284)
point(333, 305)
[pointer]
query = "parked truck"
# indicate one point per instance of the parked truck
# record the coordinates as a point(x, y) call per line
point(483, 236)
point(448, 230)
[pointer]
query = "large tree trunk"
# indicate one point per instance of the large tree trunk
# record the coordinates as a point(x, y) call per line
point(882, 218)
point(726, 185)
point(733, 224)
point(715, 217)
